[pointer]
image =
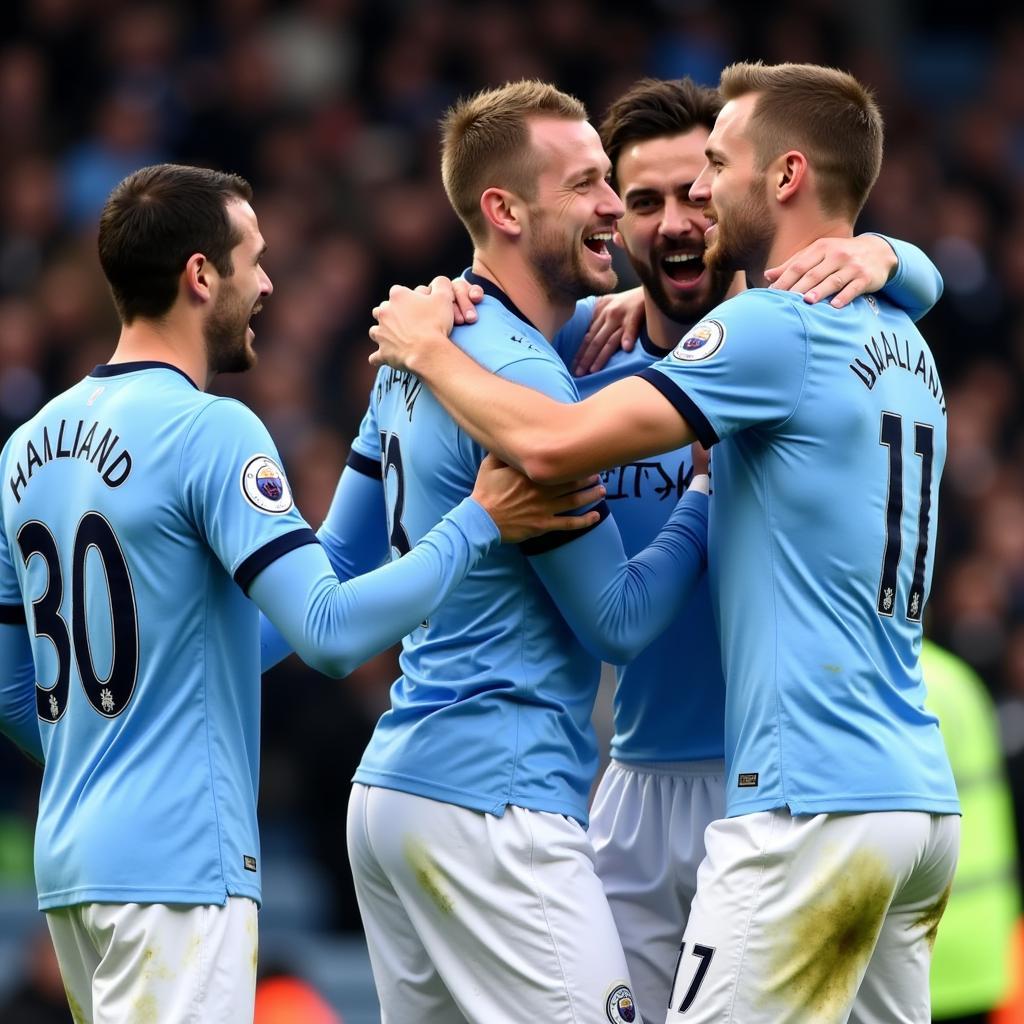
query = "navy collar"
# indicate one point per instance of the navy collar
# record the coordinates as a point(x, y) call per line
point(490, 288)
point(650, 348)
point(116, 369)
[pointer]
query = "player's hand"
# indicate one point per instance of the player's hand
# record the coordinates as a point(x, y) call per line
point(408, 321)
point(841, 267)
point(616, 324)
point(467, 297)
point(522, 509)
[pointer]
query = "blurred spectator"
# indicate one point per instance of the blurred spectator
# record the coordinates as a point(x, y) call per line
point(971, 968)
point(282, 998)
point(40, 997)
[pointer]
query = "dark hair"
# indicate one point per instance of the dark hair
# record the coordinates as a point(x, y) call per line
point(654, 108)
point(154, 221)
point(823, 112)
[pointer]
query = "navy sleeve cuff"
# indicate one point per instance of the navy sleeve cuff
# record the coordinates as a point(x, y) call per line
point(684, 405)
point(271, 552)
point(549, 541)
point(12, 614)
point(363, 464)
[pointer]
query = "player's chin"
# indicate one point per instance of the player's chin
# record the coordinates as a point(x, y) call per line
point(600, 282)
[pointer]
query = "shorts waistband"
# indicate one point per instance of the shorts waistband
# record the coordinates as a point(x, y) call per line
point(680, 769)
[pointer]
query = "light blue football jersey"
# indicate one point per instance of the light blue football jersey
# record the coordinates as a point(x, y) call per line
point(494, 704)
point(137, 510)
point(832, 426)
point(669, 702)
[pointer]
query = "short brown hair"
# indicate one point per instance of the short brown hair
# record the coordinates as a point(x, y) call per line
point(485, 143)
point(154, 221)
point(655, 108)
point(823, 112)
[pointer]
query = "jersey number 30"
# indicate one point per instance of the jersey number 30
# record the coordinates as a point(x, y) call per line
point(108, 696)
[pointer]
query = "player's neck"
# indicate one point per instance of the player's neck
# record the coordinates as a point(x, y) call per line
point(164, 342)
point(519, 282)
point(794, 234)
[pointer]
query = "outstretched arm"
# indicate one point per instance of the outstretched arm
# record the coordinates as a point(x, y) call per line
point(547, 439)
point(845, 268)
point(618, 606)
point(335, 626)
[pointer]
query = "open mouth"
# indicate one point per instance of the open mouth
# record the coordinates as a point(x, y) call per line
point(598, 242)
point(683, 267)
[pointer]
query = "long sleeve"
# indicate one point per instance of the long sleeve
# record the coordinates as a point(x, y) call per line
point(615, 605)
point(354, 537)
point(335, 626)
point(917, 284)
point(18, 719)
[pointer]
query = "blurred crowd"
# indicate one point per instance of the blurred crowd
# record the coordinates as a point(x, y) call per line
point(330, 107)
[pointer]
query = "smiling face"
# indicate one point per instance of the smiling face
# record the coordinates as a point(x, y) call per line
point(226, 330)
point(733, 194)
point(662, 229)
point(572, 216)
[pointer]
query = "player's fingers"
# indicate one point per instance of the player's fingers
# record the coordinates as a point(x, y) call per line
point(611, 345)
point(798, 276)
point(581, 364)
point(831, 284)
point(579, 522)
point(631, 327)
point(579, 499)
point(422, 289)
point(846, 296)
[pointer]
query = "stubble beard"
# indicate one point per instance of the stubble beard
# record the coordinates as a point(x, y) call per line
point(686, 308)
point(559, 265)
point(747, 239)
point(225, 334)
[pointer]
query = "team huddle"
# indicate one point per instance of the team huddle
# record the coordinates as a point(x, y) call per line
point(775, 837)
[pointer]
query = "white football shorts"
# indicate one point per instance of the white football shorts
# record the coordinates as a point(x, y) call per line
point(647, 827)
point(171, 963)
point(816, 919)
point(471, 917)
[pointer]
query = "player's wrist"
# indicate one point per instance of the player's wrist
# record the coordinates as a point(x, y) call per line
point(700, 484)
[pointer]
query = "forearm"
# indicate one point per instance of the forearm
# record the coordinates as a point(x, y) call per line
point(354, 537)
point(617, 606)
point(550, 441)
point(336, 626)
point(916, 284)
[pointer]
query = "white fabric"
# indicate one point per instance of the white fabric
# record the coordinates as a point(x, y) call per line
point(794, 915)
point(647, 828)
point(176, 964)
point(471, 917)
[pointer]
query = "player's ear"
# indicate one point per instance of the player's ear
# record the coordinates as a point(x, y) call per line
point(198, 276)
point(787, 174)
point(502, 210)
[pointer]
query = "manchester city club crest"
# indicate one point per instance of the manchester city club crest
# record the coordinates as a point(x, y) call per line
point(264, 485)
point(702, 342)
point(620, 1006)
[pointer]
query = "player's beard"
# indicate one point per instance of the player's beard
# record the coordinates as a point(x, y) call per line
point(558, 263)
point(226, 335)
point(684, 307)
point(744, 239)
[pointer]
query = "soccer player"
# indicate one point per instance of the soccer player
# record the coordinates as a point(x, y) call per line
point(821, 890)
point(664, 784)
point(146, 522)
point(467, 819)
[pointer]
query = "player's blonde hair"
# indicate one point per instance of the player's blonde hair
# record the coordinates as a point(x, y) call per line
point(485, 144)
point(824, 113)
